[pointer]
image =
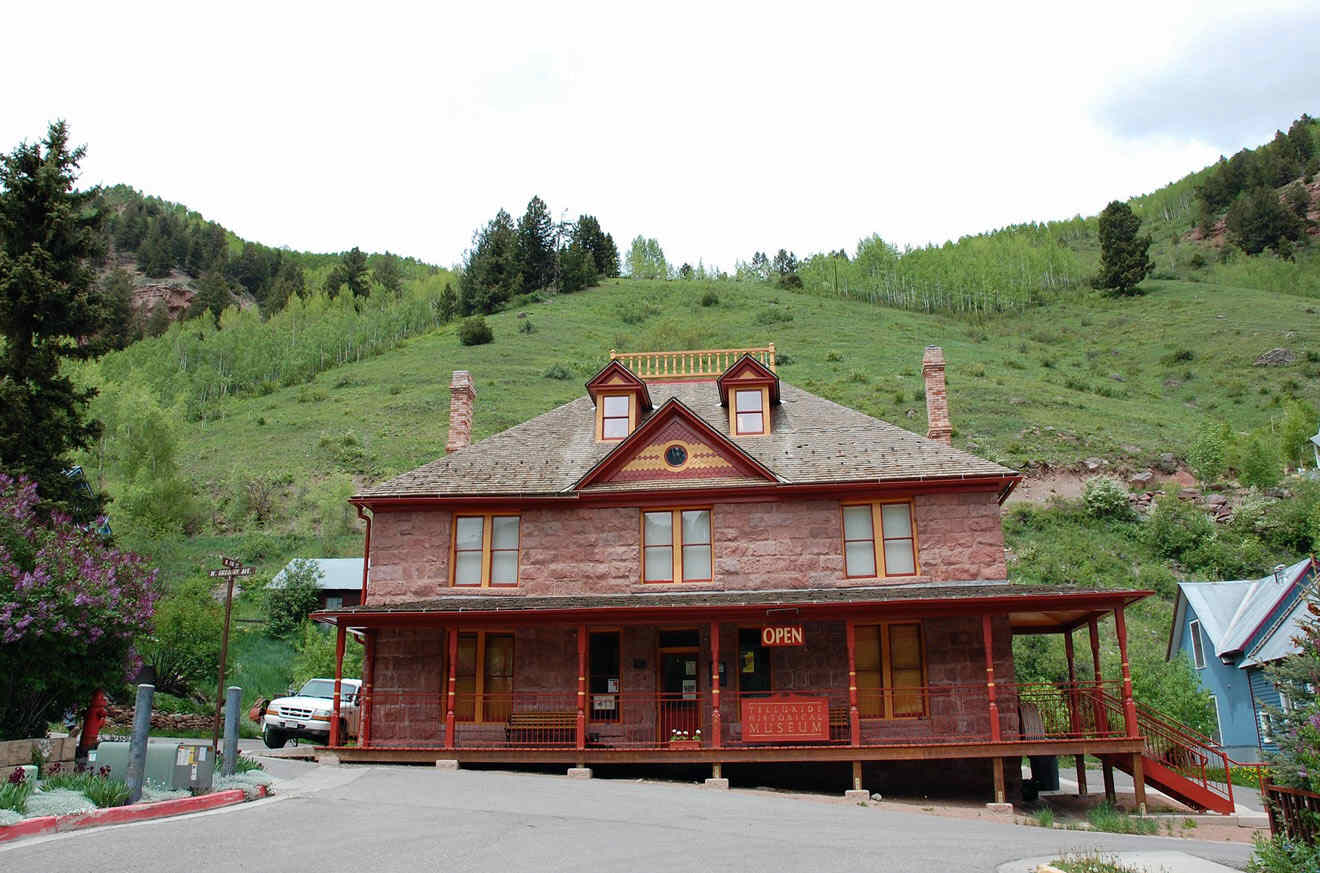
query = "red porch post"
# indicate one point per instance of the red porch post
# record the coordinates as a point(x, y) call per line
point(582, 688)
point(716, 719)
point(450, 687)
point(1129, 705)
point(1101, 719)
point(339, 682)
point(854, 717)
point(990, 678)
point(368, 689)
point(1076, 715)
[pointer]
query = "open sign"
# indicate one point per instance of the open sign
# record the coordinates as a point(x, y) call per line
point(782, 635)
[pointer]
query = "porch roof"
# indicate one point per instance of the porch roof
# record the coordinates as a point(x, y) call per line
point(1031, 609)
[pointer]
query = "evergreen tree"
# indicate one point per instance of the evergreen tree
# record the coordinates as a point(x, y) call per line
point(388, 273)
point(761, 266)
point(536, 247)
point(1124, 256)
point(212, 296)
point(604, 253)
point(448, 303)
point(154, 255)
point(117, 292)
point(1257, 220)
point(491, 275)
point(158, 321)
point(1297, 732)
point(289, 281)
point(351, 271)
point(577, 268)
point(49, 306)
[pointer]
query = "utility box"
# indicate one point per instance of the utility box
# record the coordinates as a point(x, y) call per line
point(170, 765)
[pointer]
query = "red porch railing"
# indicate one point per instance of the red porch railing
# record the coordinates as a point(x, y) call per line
point(925, 715)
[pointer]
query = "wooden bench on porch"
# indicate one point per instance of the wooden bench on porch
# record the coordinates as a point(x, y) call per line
point(541, 728)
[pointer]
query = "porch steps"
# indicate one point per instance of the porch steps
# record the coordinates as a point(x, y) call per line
point(1182, 789)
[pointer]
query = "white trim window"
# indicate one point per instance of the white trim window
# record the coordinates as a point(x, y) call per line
point(1214, 704)
point(1266, 725)
point(1198, 645)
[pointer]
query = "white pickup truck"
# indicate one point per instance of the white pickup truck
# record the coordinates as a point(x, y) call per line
point(308, 713)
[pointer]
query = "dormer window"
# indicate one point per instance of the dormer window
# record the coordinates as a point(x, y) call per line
point(749, 414)
point(615, 416)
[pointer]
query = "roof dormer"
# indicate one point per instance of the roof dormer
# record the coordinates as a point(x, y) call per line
point(748, 388)
point(620, 399)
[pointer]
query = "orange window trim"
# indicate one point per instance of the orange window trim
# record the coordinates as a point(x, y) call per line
point(601, 417)
point(765, 411)
point(478, 701)
point(487, 550)
point(888, 692)
point(676, 543)
point(878, 539)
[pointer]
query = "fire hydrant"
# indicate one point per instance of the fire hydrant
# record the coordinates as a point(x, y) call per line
point(93, 720)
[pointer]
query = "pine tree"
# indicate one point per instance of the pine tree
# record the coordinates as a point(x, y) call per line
point(49, 306)
point(212, 296)
point(577, 268)
point(388, 273)
point(448, 304)
point(1257, 220)
point(1124, 256)
point(117, 292)
point(1297, 731)
point(491, 275)
point(536, 247)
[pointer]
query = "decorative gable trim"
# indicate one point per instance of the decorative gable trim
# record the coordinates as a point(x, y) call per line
point(748, 372)
point(641, 456)
point(615, 378)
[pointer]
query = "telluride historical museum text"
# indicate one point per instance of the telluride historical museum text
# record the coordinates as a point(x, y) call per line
point(697, 563)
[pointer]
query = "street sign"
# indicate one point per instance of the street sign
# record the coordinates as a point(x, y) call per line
point(231, 562)
point(232, 571)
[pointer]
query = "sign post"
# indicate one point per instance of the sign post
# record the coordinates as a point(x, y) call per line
point(232, 568)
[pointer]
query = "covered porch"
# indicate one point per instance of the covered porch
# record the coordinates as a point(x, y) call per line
point(854, 675)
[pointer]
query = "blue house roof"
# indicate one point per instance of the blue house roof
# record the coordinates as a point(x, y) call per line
point(337, 573)
point(1242, 616)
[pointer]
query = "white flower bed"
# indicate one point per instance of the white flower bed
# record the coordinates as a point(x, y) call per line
point(9, 817)
point(249, 782)
point(59, 801)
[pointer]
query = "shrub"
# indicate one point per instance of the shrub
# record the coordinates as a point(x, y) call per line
point(1176, 528)
point(104, 792)
point(558, 371)
point(1177, 356)
point(1207, 455)
point(1261, 464)
point(1105, 497)
point(833, 356)
point(66, 597)
point(1282, 855)
point(634, 311)
point(525, 326)
point(474, 331)
point(1107, 817)
point(316, 654)
point(710, 298)
point(15, 791)
point(767, 317)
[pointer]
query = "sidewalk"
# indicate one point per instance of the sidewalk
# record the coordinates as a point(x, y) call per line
point(1151, 862)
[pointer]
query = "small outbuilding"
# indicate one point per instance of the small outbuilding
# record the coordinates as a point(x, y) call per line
point(340, 582)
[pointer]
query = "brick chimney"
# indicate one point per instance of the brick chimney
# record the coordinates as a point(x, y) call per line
point(461, 397)
point(938, 426)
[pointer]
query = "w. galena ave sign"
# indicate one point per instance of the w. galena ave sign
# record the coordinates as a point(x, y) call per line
point(232, 567)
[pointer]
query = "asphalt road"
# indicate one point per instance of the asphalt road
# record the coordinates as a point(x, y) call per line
point(373, 819)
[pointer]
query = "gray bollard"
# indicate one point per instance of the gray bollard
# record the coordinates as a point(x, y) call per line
point(137, 747)
point(233, 700)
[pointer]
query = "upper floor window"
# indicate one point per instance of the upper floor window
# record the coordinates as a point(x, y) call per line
point(676, 545)
point(879, 540)
point(749, 412)
point(1198, 646)
point(485, 550)
point(615, 416)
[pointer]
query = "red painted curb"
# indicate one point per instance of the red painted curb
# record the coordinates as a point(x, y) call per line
point(29, 828)
point(145, 811)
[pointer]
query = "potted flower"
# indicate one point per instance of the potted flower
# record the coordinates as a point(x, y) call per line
point(683, 740)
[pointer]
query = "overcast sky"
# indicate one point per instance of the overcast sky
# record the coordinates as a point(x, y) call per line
point(717, 128)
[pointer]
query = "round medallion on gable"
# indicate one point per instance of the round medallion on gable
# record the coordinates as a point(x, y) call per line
point(676, 455)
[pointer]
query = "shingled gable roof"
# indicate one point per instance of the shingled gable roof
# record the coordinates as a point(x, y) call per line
point(670, 409)
point(735, 376)
point(812, 441)
point(615, 376)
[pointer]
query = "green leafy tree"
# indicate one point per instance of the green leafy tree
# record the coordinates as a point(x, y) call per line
point(1124, 254)
point(646, 259)
point(183, 647)
point(287, 606)
point(70, 608)
point(1209, 453)
point(536, 247)
point(50, 304)
point(1295, 431)
point(315, 655)
point(1261, 465)
point(1297, 762)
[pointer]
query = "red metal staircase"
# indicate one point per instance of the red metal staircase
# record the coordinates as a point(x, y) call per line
point(1187, 766)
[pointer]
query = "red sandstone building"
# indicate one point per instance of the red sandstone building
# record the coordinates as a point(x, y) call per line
point(697, 563)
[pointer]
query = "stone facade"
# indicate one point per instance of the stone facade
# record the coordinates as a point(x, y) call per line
point(767, 545)
point(410, 672)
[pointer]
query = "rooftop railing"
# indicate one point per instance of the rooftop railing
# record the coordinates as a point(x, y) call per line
point(693, 363)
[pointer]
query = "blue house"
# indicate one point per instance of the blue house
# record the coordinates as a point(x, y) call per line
point(1230, 631)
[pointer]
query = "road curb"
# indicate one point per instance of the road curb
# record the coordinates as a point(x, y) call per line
point(125, 814)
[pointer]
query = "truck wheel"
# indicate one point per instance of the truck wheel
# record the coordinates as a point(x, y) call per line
point(272, 738)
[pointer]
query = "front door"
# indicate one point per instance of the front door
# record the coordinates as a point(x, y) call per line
point(679, 709)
